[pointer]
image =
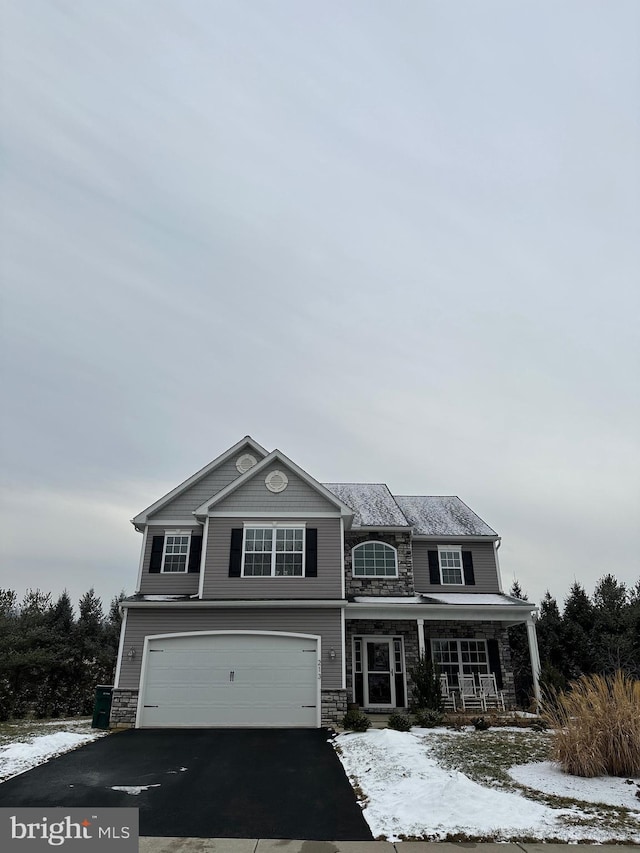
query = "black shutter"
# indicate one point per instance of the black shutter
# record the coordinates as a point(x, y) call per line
point(427, 647)
point(235, 555)
point(494, 661)
point(467, 564)
point(157, 547)
point(434, 568)
point(311, 553)
point(195, 553)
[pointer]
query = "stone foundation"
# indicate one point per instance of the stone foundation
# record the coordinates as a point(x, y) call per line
point(124, 704)
point(334, 706)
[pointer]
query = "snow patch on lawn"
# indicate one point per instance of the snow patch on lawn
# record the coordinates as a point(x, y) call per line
point(409, 794)
point(133, 789)
point(549, 778)
point(19, 757)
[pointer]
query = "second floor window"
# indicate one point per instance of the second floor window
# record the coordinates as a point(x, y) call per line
point(375, 559)
point(176, 552)
point(273, 552)
point(451, 565)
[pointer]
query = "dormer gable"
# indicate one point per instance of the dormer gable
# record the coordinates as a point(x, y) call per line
point(180, 503)
point(275, 484)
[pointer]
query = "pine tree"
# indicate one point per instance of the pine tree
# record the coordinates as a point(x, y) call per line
point(613, 647)
point(577, 631)
point(89, 630)
point(549, 628)
point(520, 656)
point(57, 697)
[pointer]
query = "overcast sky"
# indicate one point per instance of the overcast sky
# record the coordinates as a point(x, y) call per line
point(398, 241)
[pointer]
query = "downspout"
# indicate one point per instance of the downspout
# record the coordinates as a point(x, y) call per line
point(534, 655)
point(496, 546)
point(421, 643)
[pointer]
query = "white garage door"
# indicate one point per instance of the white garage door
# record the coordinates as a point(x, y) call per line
point(227, 679)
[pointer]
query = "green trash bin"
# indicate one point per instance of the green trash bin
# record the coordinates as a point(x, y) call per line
point(102, 707)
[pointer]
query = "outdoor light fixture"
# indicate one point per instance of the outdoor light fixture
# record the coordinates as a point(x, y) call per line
point(332, 653)
point(131, 653)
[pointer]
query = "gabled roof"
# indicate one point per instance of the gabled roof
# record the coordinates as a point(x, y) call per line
point(442, 515)
point(275, 455)
point(373, 504)
point(143, 516)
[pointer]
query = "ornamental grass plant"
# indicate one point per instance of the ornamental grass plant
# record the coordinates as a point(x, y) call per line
point(597, 726)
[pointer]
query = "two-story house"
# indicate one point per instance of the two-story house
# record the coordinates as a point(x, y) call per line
point(267, 598)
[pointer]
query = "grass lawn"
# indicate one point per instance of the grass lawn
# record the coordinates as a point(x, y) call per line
point(454, 785)
point(487, 756)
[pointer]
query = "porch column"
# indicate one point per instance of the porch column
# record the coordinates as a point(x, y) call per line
point(535, 659)
point(421, 645)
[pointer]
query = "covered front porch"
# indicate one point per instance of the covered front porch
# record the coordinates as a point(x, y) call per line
point(385, 639)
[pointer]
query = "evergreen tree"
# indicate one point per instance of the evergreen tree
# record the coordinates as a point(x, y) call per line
point(520, 656)
point(550, 641)
point(612, 645)
point(577, 624)
point(89, 630)
point(8, 617)
point(29, 653)
point(57, 697)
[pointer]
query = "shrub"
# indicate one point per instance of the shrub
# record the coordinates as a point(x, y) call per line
point(400, 722)
point(597, 726)
point(426, 691)
point(356, 721)
point(427, 718)
point(481, 724)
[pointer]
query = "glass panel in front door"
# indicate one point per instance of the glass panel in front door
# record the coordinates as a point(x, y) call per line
point(379, 681)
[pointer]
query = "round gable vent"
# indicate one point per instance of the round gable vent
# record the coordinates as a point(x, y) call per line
point(244, 462)
point(276, 481)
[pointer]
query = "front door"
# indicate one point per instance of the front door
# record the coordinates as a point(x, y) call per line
point(379, 676)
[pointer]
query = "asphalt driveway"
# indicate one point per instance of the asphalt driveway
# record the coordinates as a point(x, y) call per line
point(206, 783)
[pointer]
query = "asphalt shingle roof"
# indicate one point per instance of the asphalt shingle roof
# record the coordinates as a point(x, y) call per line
point(442, 515)
point(428, 515)
point(372, 504)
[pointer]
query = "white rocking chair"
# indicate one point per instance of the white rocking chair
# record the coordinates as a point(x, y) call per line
point(471, 696)
point(448, 697)
point(493, 697)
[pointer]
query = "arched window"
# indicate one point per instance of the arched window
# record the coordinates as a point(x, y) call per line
point(374, 560)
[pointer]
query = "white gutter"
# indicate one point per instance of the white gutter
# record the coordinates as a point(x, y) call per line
point(512, 614)
point(258, 604)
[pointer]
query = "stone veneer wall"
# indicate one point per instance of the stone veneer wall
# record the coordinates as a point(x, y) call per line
point(479, 631)
point(402, 585)
point(124, 704)
point(405, 628)
point(334, 706)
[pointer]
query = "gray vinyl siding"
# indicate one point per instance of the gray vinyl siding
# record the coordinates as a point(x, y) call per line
point(149, 621)
point(254, 496)
point(484, 566)
point(218, 584)
point(183, 505)
point(169, 583)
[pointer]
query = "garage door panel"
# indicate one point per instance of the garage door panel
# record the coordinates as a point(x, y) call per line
point(231, 680)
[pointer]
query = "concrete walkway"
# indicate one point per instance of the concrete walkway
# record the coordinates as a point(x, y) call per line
point(271, 845)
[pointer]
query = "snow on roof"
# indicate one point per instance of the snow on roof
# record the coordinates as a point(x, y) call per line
point(473, 598)
point(441, 515)
point(388, 599)
point(372, 503)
